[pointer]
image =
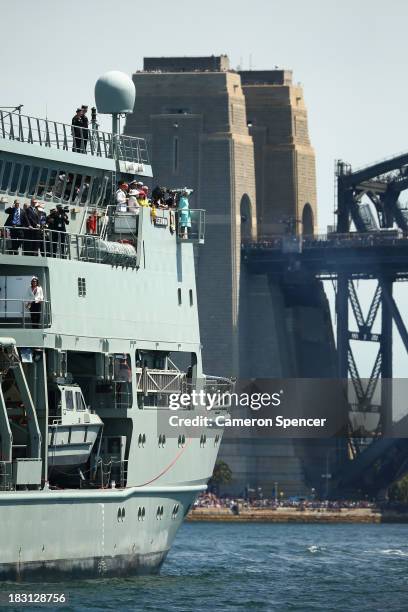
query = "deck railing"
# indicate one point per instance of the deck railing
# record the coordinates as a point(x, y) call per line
point(159, 381)
point(62, 245)
point(89, 141)
point(16, 313)
point(350, 240)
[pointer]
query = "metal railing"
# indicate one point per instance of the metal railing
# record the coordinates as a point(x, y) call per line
point(6, 475)
point(16, 313)
point(352, 239)
point(89, 141)
point(62, 245)
point(159, 381)
point(191, 225)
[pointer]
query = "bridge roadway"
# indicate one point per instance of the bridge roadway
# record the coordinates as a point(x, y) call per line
point(369, 255)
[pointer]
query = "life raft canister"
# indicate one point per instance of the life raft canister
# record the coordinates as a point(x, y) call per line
point(91, 223)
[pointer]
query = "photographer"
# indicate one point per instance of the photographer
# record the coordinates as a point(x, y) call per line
point(57, 223)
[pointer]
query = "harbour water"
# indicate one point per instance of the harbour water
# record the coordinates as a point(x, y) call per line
point(229, 567)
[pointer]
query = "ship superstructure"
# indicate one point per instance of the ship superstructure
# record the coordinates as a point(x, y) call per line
point(91, 480)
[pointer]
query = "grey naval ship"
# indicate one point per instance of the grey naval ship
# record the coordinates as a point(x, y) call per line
point(99, 328)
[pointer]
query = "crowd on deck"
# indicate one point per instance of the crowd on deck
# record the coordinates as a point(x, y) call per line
point(130, 197)
point(33, 230)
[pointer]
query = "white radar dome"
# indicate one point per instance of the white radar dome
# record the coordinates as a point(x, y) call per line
point(114, 93)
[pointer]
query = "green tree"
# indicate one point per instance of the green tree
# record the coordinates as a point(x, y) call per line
point(398, 492)
point(222, 474)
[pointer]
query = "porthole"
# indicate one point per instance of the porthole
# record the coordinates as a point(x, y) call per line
point(159, 513)
point(162, 440)
point(216, 439)
point(141, 513)
point(141, 440)
point(191, 297)
point(179, 296)
point(175, 511)
point(181, 440)
point(119, 515)
point(203, 440)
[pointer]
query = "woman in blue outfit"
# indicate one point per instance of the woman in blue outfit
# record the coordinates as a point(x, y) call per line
point(184, 213)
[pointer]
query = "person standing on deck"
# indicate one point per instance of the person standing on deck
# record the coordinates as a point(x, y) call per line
point(77, 124)
point(184, 215)
point(85, 130)
point(31, 232)
point(35, 298)
point(15, 223)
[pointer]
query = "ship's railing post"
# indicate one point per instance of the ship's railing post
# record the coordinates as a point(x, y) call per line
point(30, 131)
point(56, 135)
point(65, 144)
point(39, 131)
point(2, 124)
point(47, 134)
point(11, 133)
point(20, 129)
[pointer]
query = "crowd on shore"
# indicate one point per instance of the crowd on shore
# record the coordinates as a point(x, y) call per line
point(210, 500)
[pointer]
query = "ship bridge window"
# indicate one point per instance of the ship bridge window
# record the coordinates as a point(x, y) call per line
point(42, 182)
point(69, 400)
point(80, 404)
point(85, 189)
point(25, 175)
point(15, 178)
point(50, 188)
point(35, 173)
point(96, 191)
point(6, 176)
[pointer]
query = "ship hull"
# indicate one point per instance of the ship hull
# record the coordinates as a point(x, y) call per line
point(51, 536)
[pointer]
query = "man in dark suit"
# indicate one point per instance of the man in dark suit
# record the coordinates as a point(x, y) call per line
point(15, 222)
point(32, 234)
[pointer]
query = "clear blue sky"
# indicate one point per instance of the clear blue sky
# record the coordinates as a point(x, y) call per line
point(350, 56)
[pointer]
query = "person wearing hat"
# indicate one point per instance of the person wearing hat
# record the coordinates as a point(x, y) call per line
point(133, 204)
point(184, 215)
point(85, 130)
point(35, 297)
point(121, 197)
point(141, 198)
point(76, 129)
